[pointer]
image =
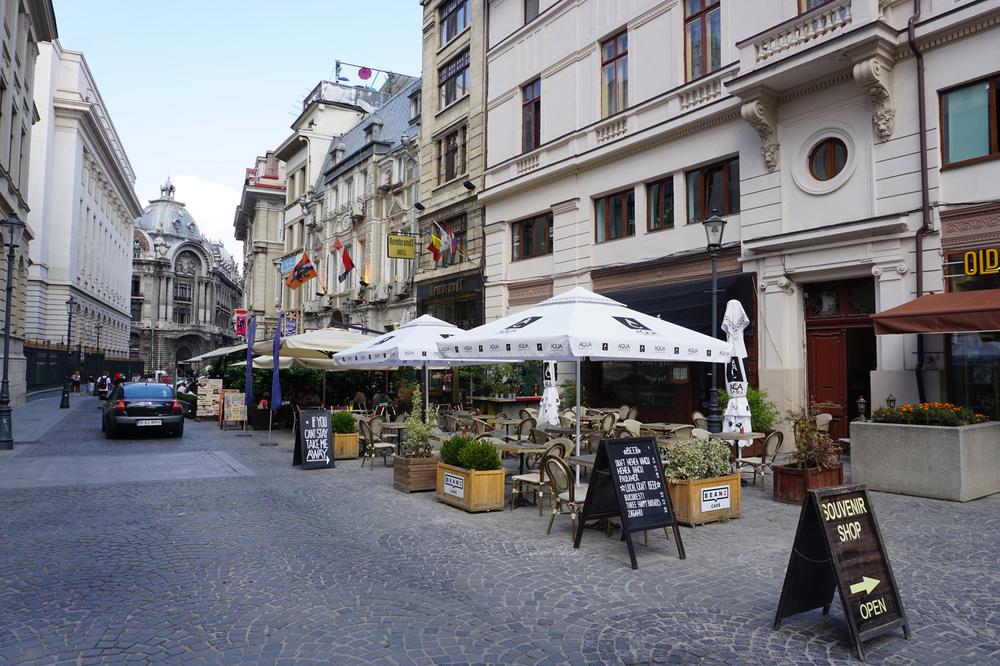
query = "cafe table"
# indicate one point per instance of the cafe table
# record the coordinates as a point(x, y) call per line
point(522, 449)
point(505, 423)
point(398, 429)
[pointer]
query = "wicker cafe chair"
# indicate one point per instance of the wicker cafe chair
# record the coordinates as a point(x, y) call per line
point(374, 447)
point(629, 428)
point(765, 462)
point(376, 423)
point(607, 424)
point(699, 420)
point(535, 480)
point(523, 432)
point(480, 427)
point(633, 413)
point(683, 432)
point(523, 414)
point(622, 412)
point(701, 433)
point(567, 497)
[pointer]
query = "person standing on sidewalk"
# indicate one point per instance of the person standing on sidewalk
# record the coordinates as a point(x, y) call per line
point(75, 378)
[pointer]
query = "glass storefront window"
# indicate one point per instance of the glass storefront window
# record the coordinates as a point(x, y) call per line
point(974, 358)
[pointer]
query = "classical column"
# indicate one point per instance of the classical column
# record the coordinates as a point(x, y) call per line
point(170, 299)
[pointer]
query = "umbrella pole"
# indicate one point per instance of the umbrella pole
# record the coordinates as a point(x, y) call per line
point(324, 389)
point(578, 417)
point(270, 417)
point(427, 397)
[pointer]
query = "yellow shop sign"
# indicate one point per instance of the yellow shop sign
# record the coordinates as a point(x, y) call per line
point(982, 262)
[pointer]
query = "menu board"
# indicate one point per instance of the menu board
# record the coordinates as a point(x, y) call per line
point(627, 482)
point(838, 545)
point(313, 438)
point(208, 398)
point(234, 409)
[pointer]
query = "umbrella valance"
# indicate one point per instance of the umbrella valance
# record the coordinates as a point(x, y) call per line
point(221, 351)
point(320, 344)
point(578, 324)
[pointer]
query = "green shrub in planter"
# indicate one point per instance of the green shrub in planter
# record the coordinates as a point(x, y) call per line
point(696, 459)
point(479, 456)
point(452, 447)
point(343, 423)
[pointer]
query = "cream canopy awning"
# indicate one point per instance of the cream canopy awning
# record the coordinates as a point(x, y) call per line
point(221, 351)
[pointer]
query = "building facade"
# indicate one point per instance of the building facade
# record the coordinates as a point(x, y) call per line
point(26, 25)
point(82, 207)
point(184, 287)
point(374, 164)
point(452, 157)
point(614, 134)
point(258, 225)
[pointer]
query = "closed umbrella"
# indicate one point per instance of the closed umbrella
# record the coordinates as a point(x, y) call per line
point(578, 324)
point(548, 409)
point(737, 415)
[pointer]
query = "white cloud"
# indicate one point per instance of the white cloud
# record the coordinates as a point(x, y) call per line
point(213, 206)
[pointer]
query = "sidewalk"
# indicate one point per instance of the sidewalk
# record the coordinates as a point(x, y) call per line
point(33, 419)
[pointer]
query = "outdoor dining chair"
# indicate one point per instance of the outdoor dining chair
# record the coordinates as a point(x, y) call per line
point(523, 414)
point(765, 462)
point(566, 495)
point(607, 425)
point(535, 480)
point(480, 427)
point(631, 427)
point(682, 432)
point(823, 422)
point(374, 447)
point(523, 431)
point(633, 413)
point(376, 423)
point(699, 420)
point(701, 433)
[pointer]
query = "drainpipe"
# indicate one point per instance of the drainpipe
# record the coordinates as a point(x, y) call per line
point(925, 203)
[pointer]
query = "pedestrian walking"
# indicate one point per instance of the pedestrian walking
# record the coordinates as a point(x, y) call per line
point(75, 379)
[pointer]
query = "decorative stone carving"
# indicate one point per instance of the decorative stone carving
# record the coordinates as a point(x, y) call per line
point(875, 76)
point(761, 113)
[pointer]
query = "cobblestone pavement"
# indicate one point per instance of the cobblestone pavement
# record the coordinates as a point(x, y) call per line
point(276, 565)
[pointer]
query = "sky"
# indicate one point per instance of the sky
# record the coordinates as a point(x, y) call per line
point(196, 90)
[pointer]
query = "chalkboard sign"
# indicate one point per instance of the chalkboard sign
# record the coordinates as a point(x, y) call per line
point(838, 546)
point(627, 482)
point(313, 440)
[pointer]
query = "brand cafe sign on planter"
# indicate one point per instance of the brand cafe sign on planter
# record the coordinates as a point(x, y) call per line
point(312, 440)
point(714, 498)
point(838, 546)
point(454, 485)
point(401, 246)
point(627, 482)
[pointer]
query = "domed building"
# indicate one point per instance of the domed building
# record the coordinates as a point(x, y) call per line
point(184, 287)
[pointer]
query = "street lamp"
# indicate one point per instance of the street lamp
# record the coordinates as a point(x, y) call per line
point(715, 226)
point(70, 309)
point(890, 402)
point(862, 408)
point(15, 231)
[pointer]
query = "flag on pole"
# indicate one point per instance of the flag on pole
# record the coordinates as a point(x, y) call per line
point(435, 247)
point(248, 381)
point(275, 378)
point(303, 272)
point(452, 241)
point(346, 265)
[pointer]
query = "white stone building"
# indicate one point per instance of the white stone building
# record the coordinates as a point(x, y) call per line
point(26, 24)
point(258, 225)
point(82, 207)
point(615, 128)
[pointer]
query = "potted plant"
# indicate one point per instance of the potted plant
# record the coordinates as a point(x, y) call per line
point(415, 470)
point(816, 464)
point(470, 475)
point(702, 486)
point(764, 415)
point(345, 435)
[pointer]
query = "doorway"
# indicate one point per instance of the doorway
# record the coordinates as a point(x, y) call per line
point(840, 349)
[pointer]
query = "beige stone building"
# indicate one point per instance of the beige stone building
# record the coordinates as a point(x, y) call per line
point(258, 225)
point(26, 23)
point(452, 158)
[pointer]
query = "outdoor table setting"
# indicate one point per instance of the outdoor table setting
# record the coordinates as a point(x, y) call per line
point(521, 449)
point(505, 423)
point(397, 428)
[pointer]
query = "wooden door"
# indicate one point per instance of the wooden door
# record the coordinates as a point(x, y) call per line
point(827, 366)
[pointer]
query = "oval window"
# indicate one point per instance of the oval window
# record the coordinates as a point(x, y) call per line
point(827, 158)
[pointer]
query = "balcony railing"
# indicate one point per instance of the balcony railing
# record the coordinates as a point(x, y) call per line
point(805, 28)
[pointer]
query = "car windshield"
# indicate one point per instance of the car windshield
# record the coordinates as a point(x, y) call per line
point(147, 392)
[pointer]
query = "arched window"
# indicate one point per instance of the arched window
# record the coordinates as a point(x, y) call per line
point(827, 158)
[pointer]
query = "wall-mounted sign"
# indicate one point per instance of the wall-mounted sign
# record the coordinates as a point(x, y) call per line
point(291, 323)
point(981, 262)
point(288, 264)
point(401, 246)
point(240, 321)
point(838, 546)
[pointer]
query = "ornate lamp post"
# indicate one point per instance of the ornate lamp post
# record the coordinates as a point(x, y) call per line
point(715, 226)
point(70, 309)
point(15, 232)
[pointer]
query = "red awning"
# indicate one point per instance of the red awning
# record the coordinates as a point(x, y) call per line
point(958, 312)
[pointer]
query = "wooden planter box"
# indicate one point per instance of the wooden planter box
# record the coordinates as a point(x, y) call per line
point(412, 475)
point(345, 446)
point(694, 500)
point(791, 482)
point(470, 490)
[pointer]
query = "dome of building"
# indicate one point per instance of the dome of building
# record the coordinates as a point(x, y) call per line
point(168, 217)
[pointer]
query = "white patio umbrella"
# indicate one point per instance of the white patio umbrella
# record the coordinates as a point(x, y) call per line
point(737, 415)
point(320, 344)
point(415, 344)
point(548, 409)
point(221, 351)
point(578, 324)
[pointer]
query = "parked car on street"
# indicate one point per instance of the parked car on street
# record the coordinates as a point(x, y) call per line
point(142, 407)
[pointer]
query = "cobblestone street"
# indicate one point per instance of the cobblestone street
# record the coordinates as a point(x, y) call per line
point(215, 549)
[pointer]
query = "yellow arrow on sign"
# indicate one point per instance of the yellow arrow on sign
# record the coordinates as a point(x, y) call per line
point(866, 585)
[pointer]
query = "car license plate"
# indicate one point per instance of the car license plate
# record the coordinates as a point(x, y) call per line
point(149, 422)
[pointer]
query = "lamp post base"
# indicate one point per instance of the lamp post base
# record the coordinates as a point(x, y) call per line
point(714, 418)
point(64, 402)
point(6, 428)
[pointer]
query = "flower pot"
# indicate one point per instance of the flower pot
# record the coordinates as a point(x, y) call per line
point(700, 501)
point(471, 490)
point(345, 445)
point(791, 482)
point(412, 475)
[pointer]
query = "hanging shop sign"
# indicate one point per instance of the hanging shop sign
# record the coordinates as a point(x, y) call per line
point(838, 546)
point(240, 322)
point(290, 321)
point(627, 482)
point(288, 264)
point(401, 246)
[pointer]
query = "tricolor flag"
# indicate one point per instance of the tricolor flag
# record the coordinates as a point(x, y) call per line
point(346, 265)
point(303, 272)
point(452, 241)
point(435, 247)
